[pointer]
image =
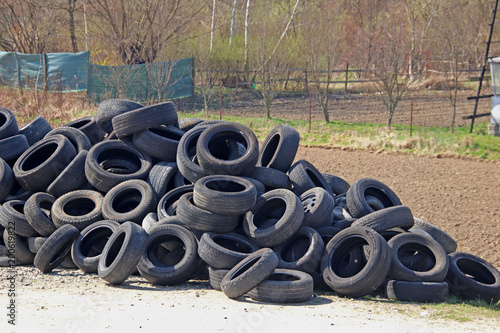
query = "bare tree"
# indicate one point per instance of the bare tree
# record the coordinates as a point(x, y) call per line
point(27, 26)
point(161, 77)
point(140, 30)
point(390, 66)
point(323, 37)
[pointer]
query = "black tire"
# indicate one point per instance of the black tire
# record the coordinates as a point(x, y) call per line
point(17, 246)
point(8, 124)
point(38, 166)
point(224, 251)
point(71, 178)
point(279, 148)
point(89, 244)
point(180, 180)
point(78, 139)
point(304, 176)
point(79, 208)
point(189, 168)
point(225, 195)
point(110, 108)
point(35, 243)
point(249, 273)
point(37, 211)
point(12, 147)
point(184, 267)
point(55, 248)
point(337, 184)
point(318, 208)
point(186, 124)
point(357, 193)
point(228, 131)
point(6, 179)
point(280, 204)
point(13, 212)
point(271, 178)
point(215, 277)
point(160, 142)
point(423, 292)
point(200, 219)
point(168, 203)
point(36, 130)
point(104, 156)
point(130, 200)
point(369, 277)
point(121, 253)
point(143, 118)
point(471, 277)
point(446, 241)
point(327, 233)
point(387, 218)
point(425, 246)
point(301, 252)
point(161, 178)
point(88, 125)
point(284, 286)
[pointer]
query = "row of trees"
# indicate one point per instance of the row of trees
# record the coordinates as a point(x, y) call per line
point(249, 40)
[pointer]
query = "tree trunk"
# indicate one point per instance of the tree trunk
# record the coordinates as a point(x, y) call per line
point(212, 28)
point(71, 12)
point(247, 22)
point(233, 15)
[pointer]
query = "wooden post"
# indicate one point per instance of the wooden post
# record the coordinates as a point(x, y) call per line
point(310, 110)
point(20, 84)
point(411, 117)
point(139, 90)
point(45, 74)
point(220, 102)
point(346, 77)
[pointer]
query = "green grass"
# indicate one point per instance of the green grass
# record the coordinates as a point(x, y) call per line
point(432, 141)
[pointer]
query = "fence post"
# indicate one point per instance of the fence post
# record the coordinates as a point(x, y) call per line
point(411, 117)
point(139, 90)
point(220, 102)
point(60, 90)
point(45, 74)
point(310, 110)
point(19, 74)
point(346, 76)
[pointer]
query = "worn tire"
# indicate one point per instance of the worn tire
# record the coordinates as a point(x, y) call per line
point(249, 273)
point(79, 208)
point(37, 211)
point(423, 292)
point(160, 142)
point(224, 251)
point(78, 139)
point(13, 212)
point(304, 176)
point(12, 147)
point(446, 241)
point(36, 130)
point(387, 218)
point(8, 124)
point(168, 203)
point(122, 253)
point(71, 178)
point(337, 184)
point(357, 193)
point(284, 286)
point(88, 125)
point(6, 179)
point(130, 200)
point(17, 246)
point(111, 108)
point(318, 208)
point(55, 248)
point(161, 178)
point(279, 148)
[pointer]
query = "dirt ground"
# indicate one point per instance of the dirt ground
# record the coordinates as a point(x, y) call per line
point(460, 196)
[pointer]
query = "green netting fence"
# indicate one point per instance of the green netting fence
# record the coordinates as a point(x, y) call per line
point(70, 72)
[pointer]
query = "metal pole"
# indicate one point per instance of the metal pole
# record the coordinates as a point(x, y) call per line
point(220, 102)
point(139, 90)
point(411, 117)
point(346, 76)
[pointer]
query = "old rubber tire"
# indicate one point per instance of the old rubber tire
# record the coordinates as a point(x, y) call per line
point(185, 265)
point(89, 244)
point(37, 211)
point(12, 147)
point(17, 246)
point(71, 178)
point(422, 292)
point(8, 124)
point(279, 148)
point(105, 156)
point(225, 195)
point(283, 206)
point(121, 253)
point(78, 139)
point(160, 142)
point(249, 272)
point(215, 277)
point(111, 108)
point(318, 208)
point(130, 200)
point(79, 208)
point(446, 241)
point(370, 276)
point(161, 178)
point(284, 286)
point(6, 180)
point(229, 131)
point(13, 212)
point(141, 119)
point(88, 125)
point(55, 248)
point(472, 277)
point(168, 203)
point(304, 176)
point(36, 130)
point(337, 184)
point(357, 193)
point(224, 251)
point(387, 218)
point(423, 245)
point(38, 166)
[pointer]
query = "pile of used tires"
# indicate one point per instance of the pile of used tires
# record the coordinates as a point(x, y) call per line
point(135, 190)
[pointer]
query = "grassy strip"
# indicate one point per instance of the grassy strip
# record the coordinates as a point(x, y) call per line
point(432, 141)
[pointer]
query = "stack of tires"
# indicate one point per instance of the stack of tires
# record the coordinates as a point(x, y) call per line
point(135, 190)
